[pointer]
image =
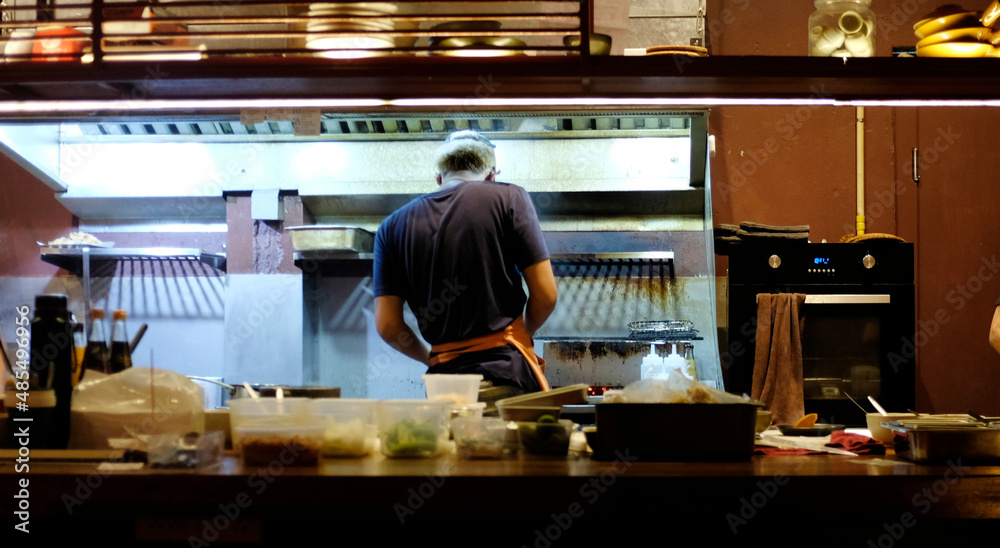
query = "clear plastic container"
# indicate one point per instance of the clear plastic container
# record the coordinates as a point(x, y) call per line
point(350, 426)
point(479, 438)
point(270, 430)
point(459, 389)
point(840, 28)
point(413, 428)
point(545, 439)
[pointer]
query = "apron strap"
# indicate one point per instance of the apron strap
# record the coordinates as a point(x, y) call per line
point(514, 334)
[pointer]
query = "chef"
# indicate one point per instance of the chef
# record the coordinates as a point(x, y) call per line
point(457, 256)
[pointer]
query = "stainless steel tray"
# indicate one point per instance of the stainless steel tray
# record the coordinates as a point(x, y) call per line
point(926, 442)
point(332, 238)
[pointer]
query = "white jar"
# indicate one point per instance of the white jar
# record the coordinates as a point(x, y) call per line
point(842, 28)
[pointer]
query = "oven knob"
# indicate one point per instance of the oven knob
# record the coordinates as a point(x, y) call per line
point(774, 261)
point(868, 261)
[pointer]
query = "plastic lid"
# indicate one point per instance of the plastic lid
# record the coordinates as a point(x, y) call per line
point(97, 313)
point(118, 314)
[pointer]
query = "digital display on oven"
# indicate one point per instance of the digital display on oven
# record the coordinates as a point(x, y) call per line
point(821, 260)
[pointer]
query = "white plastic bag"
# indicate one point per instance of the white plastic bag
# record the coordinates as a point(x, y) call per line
point(676, 389)
point(138, 401)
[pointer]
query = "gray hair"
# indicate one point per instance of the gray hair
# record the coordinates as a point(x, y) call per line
point(465, 150)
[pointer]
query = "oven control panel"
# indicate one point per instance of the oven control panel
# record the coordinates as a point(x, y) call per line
point(857, 263)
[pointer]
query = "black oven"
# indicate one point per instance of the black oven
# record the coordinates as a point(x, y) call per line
point(858, 321)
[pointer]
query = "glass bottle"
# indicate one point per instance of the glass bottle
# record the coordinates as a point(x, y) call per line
point(121, 353)
point(842, 28)
point(691, 368)
point(96, 357)
point(51, 372)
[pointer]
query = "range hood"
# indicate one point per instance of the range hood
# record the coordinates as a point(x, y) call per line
point(177, 166)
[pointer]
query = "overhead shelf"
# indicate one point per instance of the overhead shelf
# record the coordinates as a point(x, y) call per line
point(73, 259)
point(749, 78)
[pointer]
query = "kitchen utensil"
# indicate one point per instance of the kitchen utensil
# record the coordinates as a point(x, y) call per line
point(856, 403)
point(251, 391)
point(875, 423)
point(481, 46)
point(927, 27)
point(969, 34)
point(957, 49)
point(567, 395)
point(138, 337)
point(991, 14)
point(600, 44)
point(812, 431)
point(944, 442)
point(877, 406)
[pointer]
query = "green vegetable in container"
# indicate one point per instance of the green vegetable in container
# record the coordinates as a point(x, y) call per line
point(544, 437)
point(408, 438)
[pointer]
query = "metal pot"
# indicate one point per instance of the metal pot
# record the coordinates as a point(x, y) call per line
point(269, 390)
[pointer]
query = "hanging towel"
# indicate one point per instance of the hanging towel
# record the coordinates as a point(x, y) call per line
point(777, 370)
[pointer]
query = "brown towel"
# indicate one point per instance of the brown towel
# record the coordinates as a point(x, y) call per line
point(777, 371)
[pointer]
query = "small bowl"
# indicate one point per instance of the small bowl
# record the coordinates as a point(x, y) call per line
point(957, 49)
point(545, 439)
point(600, 44)
point(479, 438)
point(965, 34)
point(880, 433)
point(925, 28)
point(763, 420)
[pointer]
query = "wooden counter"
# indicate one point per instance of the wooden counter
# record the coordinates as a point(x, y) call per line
point(815, 500)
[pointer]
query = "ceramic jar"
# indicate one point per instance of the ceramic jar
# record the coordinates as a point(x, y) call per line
point(842, 28)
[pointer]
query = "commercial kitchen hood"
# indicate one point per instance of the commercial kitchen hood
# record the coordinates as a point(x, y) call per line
point(176, 166)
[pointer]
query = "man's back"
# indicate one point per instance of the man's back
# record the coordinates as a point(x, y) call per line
point(456, 257)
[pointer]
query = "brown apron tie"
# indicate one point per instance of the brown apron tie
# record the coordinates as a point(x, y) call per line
point(514, 334)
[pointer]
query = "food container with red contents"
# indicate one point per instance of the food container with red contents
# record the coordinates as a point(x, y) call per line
point(276, 431)
point(59, 44)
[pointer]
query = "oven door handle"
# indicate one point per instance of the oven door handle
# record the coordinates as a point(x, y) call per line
point(847, 299)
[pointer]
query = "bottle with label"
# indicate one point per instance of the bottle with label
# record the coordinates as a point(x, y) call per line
point(121, 352)
point(51, 370)
point(690, 367)
point(96, 357)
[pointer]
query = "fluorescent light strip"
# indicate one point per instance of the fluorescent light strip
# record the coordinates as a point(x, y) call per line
point(57, 107)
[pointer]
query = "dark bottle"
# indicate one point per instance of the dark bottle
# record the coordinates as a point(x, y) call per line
point(52, 368)
point(96, 357)
point(121, 352)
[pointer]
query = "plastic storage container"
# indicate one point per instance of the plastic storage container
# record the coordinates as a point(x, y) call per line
point(479, 438)
point(269, 430)
point(460, 389)
point(350, 428)
point(413, 428)
point(545, 438)
point(842, 29)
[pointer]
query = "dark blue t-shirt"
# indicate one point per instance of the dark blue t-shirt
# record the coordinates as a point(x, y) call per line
point(456, 257)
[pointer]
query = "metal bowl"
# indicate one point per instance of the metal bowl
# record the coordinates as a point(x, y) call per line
point(600, 44)
point(481, 46)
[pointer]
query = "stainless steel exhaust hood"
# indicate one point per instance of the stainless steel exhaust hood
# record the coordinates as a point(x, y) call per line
point(178, 166)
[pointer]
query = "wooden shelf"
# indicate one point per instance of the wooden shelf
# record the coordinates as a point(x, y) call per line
point(749, 78)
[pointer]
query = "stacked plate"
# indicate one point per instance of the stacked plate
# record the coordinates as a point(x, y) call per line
point(690, 51)
point(951, 32)
point(340, 39)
